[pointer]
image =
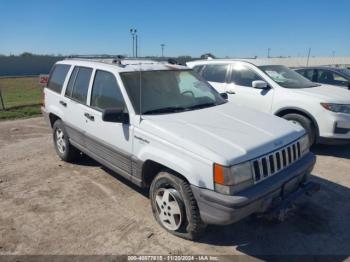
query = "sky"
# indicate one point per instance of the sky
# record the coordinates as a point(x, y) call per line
point(222, 27)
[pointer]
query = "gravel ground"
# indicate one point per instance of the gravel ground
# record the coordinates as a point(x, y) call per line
point(50, 207)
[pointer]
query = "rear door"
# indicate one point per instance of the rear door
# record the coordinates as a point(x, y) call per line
point(74, 103)
point(58, 78)
point(111, 142)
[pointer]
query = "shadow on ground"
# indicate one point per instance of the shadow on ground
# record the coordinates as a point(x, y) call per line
point(319, 226)
point(85, 160)
point(342, 151)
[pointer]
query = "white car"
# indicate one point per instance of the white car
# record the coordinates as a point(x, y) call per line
point(204, 160)
point(323, 110)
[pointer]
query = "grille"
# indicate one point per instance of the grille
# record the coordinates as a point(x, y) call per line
point(274, 162)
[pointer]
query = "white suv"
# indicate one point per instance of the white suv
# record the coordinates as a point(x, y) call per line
point(205, 161)
point(323, 110)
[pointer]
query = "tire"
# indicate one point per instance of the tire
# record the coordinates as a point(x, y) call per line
point(64, 149)
point(306, 123)
point(168, 191)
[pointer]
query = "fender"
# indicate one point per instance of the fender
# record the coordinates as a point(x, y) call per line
point(191, 168)
point(296, 109)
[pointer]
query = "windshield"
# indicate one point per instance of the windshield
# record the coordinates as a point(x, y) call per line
point(286, 77)
point(169, 91)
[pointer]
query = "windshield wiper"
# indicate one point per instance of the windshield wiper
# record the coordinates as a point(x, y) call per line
point(170, 109)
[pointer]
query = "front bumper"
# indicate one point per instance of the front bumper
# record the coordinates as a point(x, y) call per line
point(334, 127)
point(219, 209)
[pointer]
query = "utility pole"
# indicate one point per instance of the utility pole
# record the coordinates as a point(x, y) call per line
point(162, 46)
point(308, 57)
point(136, 44)
point(268, 52)
point(133, 33)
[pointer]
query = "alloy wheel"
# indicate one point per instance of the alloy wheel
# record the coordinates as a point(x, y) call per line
point(169, 211)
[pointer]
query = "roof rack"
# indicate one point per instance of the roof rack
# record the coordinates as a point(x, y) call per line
point(109, 59)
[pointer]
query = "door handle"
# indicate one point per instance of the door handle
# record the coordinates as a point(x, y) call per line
point(63, 103)
point(90, 117)
point(231, 92)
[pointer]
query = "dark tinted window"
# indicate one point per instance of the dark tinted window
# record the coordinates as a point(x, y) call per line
point(72, 78)
point(79, 84)
point(106, 92)
point(331, 78)
point(309, 74)
point(243, 76)
point(57, 77)
point(215, 73)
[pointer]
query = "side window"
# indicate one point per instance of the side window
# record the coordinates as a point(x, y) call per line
point(106, 92)
point(329, 77)
point(215, 73)
point(309, 74)
point(243, 76)
point(71, 82)
point(78, 84)
point(301, 71)
point(57, 77)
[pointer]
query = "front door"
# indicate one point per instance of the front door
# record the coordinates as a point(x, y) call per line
point(240, 89)
point(110, 142)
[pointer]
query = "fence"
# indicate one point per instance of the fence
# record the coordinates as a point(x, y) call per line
point(24, 66)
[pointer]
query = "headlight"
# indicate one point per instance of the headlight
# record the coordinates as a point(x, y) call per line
point(337, 108)
point(304, 144)
point(229, 180)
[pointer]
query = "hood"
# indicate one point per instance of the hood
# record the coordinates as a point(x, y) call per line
point(327, 93)
point(226, 134)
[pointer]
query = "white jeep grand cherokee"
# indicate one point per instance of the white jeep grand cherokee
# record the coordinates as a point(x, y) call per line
point(206, 161)
point(323, 110)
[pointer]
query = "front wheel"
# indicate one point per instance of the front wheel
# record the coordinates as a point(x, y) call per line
point(174, 206)
point(304, 122)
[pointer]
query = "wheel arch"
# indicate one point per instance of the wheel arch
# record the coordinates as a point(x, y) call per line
point(151, 168)
point(53, 118)
point(295, 110)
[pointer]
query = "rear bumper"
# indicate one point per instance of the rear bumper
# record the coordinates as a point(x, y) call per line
point(45, 115)
point(219, 209)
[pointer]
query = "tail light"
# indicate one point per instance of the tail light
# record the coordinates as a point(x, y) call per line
point(43, 97)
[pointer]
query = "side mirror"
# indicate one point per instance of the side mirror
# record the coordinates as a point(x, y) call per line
point(115, 115)
point(259, 84)
point(224, 95)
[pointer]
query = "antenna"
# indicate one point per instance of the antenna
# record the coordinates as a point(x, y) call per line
point(140, 85)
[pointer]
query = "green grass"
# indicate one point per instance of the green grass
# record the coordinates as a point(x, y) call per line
point(21, 112)
point(22, 97)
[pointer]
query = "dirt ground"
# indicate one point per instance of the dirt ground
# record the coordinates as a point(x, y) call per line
point(51, 207)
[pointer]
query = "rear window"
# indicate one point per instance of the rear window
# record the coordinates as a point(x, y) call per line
point(78, 85)
point(57, 77)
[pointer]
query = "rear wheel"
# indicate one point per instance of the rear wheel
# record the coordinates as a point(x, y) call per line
point(174, 206)
point(304, 122)
point(64, 149)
